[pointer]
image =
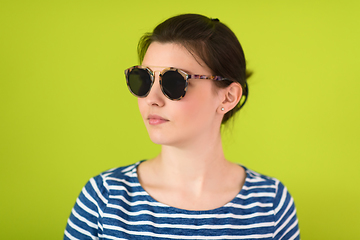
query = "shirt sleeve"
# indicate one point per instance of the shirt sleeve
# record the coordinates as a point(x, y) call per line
point(286, 222)
point(83, 222)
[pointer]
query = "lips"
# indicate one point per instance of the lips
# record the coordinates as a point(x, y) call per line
point(156, 120)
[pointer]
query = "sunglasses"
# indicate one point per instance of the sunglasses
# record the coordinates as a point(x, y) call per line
point(173, 81)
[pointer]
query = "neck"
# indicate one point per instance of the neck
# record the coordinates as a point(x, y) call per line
point(199, 160)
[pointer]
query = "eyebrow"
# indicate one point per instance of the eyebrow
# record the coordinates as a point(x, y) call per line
point(196, 76)
point(163, 67)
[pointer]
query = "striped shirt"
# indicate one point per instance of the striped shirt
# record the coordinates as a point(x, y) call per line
point(113, 205)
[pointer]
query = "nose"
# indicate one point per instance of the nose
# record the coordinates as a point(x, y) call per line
point(155, 96)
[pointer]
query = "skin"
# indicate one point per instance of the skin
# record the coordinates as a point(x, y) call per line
point(191, 171)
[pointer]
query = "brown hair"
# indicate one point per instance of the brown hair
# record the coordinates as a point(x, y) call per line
point(208, 39)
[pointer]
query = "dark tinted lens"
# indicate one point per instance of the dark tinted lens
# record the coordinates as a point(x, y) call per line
point(139, 82)
point(173, 84)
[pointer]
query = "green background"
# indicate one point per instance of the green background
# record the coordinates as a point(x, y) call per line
point(66, 114)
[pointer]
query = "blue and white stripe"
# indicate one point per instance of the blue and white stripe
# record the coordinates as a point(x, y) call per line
point(113, 205)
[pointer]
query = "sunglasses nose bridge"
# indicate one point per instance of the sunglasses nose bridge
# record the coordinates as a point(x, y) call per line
point(157, 77)
point(155, 90)
point(156, 74)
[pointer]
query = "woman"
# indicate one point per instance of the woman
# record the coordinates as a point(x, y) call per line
point(192, 79)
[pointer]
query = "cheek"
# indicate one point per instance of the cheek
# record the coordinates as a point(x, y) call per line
point(200, 106)
point(142, 105)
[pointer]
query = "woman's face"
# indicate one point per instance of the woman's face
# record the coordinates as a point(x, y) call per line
point(194, 117)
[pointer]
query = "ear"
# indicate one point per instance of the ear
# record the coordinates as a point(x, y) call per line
point(231, 97)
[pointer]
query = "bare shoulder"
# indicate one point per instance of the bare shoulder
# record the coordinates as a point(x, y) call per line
point(146, 173)
point(234, 177)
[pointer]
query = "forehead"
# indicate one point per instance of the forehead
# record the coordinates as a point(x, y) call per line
point(174, 55)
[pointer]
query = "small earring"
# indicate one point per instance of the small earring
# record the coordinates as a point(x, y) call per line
point(222, 109)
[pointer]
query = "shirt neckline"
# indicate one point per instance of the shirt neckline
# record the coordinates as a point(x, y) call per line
point(180, 210)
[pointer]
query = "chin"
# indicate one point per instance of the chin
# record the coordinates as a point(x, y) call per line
point(160, 139)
